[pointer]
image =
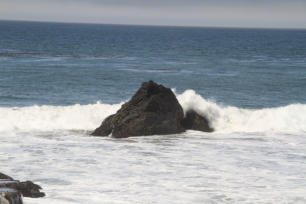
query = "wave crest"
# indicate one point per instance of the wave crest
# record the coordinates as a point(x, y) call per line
point(291, 118)
point(48, 118)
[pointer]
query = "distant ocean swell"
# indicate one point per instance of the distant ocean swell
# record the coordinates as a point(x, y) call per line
point(15, 54)
point(225, 119)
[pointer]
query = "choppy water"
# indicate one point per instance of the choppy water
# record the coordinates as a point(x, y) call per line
point(58, 82)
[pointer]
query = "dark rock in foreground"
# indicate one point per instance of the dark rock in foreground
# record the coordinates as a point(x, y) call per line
point(26, 188)
point(11, 191)
point(10, 196)
point(194, 121)
point(153, 110)
point(3, 176)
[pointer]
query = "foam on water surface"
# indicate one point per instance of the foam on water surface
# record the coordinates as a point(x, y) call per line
point(226, 119)
point(193, 167)
point(290, 118)
point(239, 163)
point(48, 118)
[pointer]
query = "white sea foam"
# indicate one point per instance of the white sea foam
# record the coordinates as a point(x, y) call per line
point(291, 118)
point(193, 167)
point(48, 118)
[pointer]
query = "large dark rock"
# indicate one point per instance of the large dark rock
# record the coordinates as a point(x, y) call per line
point(153, 110)
point(194, 121)
point(26, 188)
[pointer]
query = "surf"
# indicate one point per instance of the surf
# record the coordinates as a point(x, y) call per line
point(224, 119)
point(290, 118)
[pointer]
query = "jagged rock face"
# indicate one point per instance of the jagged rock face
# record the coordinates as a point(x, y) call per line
point(153, 110)
point(194, 121)
point(28, 189)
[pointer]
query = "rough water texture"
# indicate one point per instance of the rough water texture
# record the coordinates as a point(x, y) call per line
point(59, 81)
point(226, 166)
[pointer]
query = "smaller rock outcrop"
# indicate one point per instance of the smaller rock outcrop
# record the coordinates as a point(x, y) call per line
point(3, 176)
point(194, 121)
point(106, 127)
point(26, 188)
point(153, 110)
point(11, 191)
point(10, 196)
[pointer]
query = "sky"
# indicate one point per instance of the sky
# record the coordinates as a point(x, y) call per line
point(215, 13)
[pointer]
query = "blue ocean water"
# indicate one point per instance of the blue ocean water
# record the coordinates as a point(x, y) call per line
point(65, 64)
point(59, 81)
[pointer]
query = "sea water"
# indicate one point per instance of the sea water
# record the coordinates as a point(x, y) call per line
point(59, 81)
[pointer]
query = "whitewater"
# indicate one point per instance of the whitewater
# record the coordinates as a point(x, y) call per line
point(254, 156)
point(59, 81)
point(224, 119)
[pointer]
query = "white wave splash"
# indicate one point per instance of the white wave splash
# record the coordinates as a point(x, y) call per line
point(49, 118)
point(291, 118)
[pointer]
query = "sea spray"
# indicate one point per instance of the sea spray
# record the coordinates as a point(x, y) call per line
point(290, 118)
point(48, 118)
point(228, 119)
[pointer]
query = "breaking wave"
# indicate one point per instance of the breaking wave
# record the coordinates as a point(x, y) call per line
point(48, 118)
point(291, 118)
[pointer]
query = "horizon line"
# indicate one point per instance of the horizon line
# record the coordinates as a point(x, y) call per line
point(153, 25)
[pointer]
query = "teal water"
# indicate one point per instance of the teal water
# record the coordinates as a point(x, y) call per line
point(59, 81)
point(65, 64)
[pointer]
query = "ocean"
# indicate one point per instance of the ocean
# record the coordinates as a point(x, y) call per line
point(59, 81)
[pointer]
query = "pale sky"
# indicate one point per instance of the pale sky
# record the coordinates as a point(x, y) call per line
point(219, 13)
